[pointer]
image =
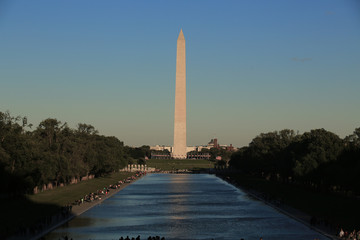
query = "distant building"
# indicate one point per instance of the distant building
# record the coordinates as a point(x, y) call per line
point(161, 152)
point(160, 155)
point(213, 143)
point(161, 148)
point(198, 155)
point(194, 152)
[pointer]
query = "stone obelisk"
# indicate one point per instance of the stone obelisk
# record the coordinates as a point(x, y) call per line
point(179, 149)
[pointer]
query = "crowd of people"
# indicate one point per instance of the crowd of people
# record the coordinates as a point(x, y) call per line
point(99, 194)
point(138, 238)
point(127, 238)
point(66, 211)
point(354, 235)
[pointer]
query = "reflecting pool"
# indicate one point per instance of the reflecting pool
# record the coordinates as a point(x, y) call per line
point(183, 206)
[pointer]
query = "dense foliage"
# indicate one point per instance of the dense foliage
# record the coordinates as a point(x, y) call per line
point(217, 152)
point(53, 153)
point(317, 158)
point(136, 155)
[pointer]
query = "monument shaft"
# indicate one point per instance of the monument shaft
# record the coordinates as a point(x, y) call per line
point(179, 150)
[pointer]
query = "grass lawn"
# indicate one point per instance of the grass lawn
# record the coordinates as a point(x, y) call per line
point(68, 194)
point(29, 209)
point(174, 164)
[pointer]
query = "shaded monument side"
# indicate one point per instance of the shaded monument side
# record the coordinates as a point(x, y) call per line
point(179, 150)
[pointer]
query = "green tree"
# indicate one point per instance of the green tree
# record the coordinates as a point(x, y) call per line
point(315, 148)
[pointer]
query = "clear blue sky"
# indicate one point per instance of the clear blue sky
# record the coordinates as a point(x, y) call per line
point(252, 66)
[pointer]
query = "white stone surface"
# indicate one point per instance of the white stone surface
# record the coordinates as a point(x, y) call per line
point(179, 150)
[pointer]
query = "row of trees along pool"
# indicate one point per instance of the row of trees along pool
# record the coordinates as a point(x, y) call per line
point(319, 159)
point(54, 153)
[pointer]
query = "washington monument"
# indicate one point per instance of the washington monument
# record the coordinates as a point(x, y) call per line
point(179, 149)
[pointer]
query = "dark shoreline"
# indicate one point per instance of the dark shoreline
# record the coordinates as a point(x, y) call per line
point(284, 209)
point(281, 207)
point(60, 219)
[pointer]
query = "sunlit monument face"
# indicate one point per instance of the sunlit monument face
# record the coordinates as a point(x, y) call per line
point(179, 150)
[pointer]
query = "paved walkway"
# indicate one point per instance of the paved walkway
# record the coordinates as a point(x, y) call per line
point(289, 211)
point(76, 211)
point(285, 209)
point(79, 209)
point(295, 214)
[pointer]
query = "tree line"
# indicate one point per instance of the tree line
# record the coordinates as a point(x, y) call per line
point(319, 159)
point(54, 153)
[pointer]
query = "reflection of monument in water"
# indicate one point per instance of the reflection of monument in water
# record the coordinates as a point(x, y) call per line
point(179, 149)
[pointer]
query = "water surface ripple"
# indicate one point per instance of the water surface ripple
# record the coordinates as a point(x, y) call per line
point(183, 206)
